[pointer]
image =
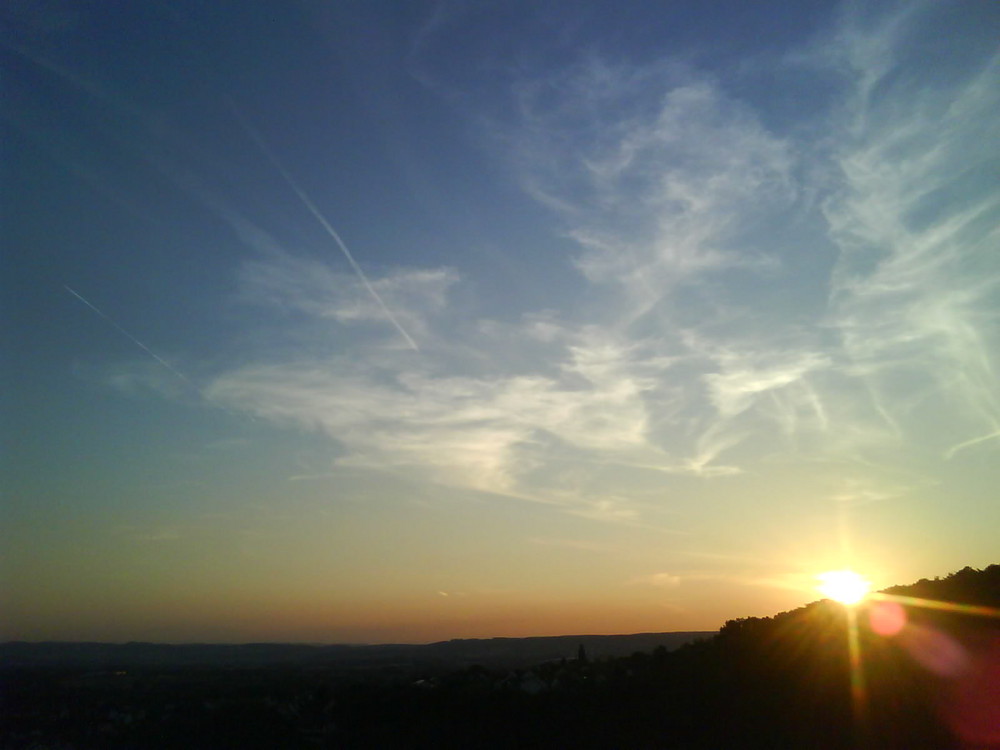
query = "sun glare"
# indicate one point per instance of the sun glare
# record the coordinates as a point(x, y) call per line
point(844, 586)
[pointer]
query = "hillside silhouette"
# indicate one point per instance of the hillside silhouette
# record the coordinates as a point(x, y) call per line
point(923, 672)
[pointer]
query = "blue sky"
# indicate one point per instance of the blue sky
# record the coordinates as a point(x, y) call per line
point(407, 321)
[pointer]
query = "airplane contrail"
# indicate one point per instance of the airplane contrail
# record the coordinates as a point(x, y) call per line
point(307, 202)
point(133, 339)
point(312, 208)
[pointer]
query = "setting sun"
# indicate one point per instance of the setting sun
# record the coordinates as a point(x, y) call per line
point(844, 586)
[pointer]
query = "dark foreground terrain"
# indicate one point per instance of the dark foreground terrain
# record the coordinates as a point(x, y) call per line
point(924, 677)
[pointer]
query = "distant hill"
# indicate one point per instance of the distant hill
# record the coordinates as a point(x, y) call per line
point(911, 673)
point(492, 652)
point(968, 585)
point(534, 650)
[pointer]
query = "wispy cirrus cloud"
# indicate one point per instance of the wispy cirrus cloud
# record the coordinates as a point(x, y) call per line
point(692, 223)
point(745, 377)
point(309, 286)
point(655, 171)
point(915, 221)
point(482, 432)
point(664, 200)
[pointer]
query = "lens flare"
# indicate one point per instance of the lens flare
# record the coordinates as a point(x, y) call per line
point(844, 586)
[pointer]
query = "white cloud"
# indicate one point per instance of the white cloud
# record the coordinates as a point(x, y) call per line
point(476, 432)
point(741, 382)
point(683, 355)
point(657, 174)
point(661, 196)
point(312, 287)
point(915, 221)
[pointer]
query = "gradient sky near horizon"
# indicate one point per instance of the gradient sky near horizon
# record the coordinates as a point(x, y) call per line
point(406, 321)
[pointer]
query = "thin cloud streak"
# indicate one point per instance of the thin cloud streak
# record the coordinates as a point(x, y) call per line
point(950, 453)
point(308, 286)
point(134, 340)
point(328, 228)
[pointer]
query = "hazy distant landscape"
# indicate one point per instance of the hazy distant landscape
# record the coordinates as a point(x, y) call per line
point(498, 652)
point(779, 682)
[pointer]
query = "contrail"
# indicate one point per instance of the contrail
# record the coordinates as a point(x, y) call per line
point(307, 202)
point(950, 453)
point(134, 340)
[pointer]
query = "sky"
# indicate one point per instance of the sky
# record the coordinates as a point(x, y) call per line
point(406, 321)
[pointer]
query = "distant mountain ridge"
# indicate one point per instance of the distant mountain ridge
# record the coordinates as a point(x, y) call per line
point(969, 586)
point(760, 683)
point(510, 652)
